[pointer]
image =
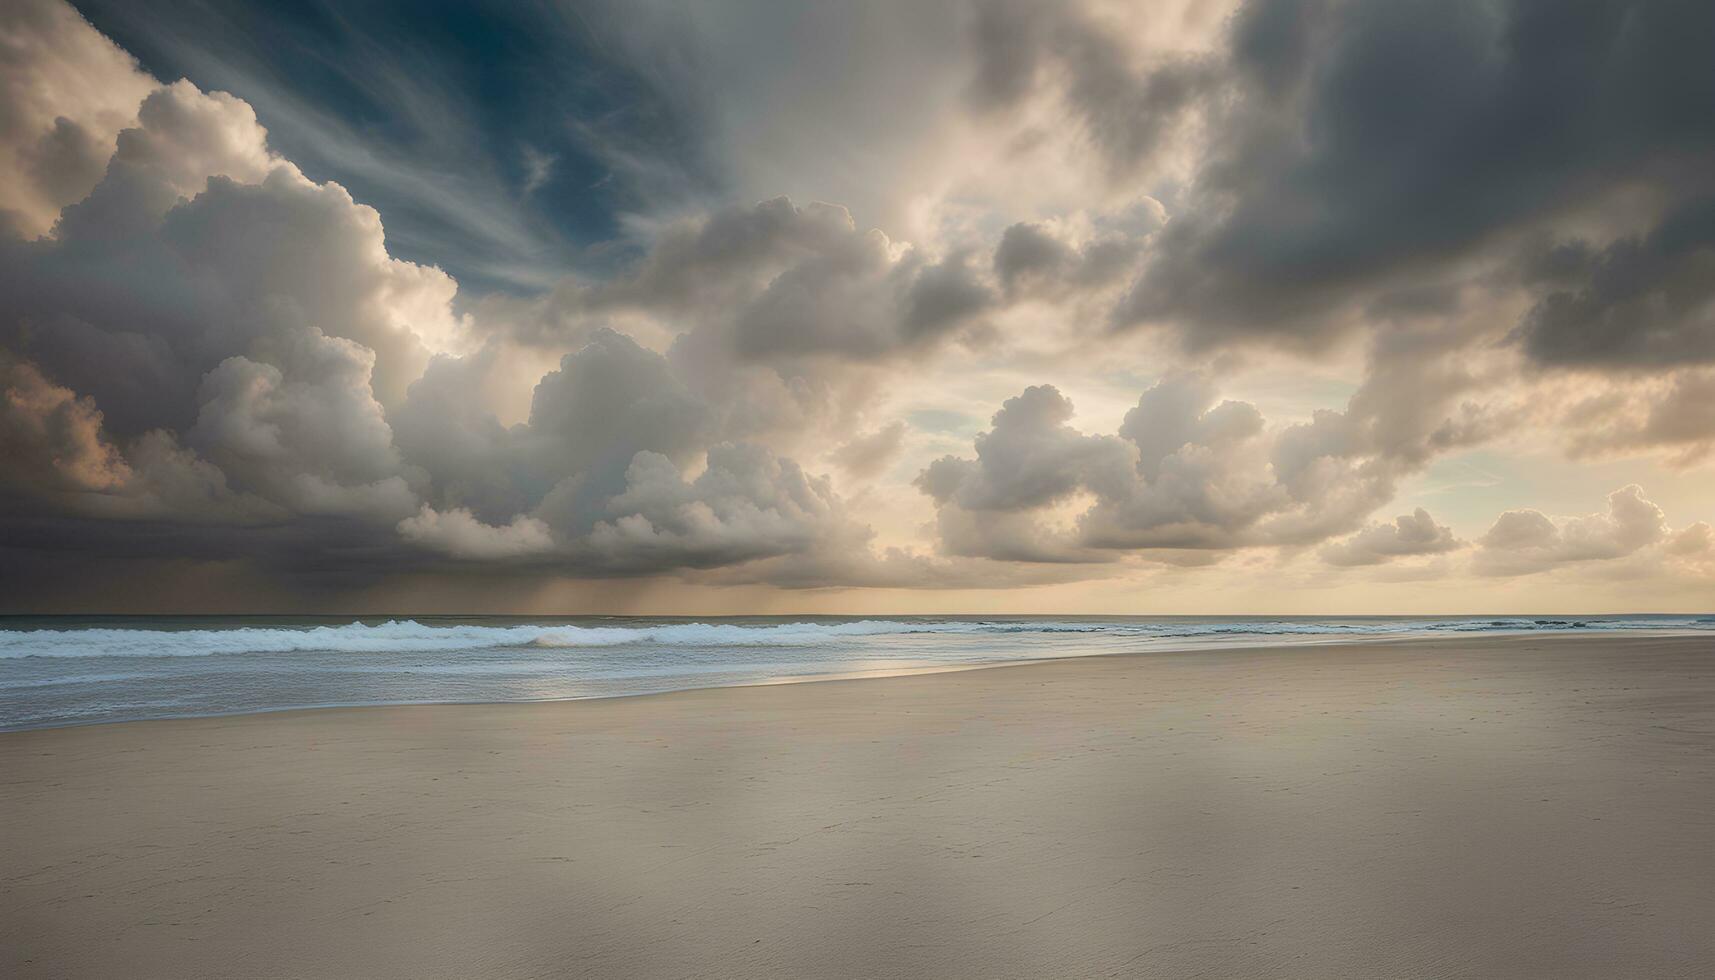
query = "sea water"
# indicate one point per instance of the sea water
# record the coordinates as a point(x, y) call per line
point(73, 670)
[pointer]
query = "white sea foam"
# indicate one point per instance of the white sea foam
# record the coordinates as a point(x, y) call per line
point(409, 636)
point(107, 670)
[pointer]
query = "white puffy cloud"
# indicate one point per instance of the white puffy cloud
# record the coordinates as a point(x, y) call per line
point(1184, 472)
point(220, 331)
point(65, 93)
point(199, 244)
point(1030, 458)
point(1522, 542)
point(460, 534)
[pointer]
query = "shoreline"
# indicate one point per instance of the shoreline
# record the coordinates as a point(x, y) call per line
point(1170, 648)
point(1487, 808)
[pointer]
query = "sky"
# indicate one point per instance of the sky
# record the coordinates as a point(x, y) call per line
point(913, 306)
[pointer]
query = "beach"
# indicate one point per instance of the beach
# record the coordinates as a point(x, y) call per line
point(1491, 806)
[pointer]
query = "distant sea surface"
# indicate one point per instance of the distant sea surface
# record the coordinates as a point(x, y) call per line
point(75, 670)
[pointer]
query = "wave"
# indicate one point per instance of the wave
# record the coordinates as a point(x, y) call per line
point(409, 636)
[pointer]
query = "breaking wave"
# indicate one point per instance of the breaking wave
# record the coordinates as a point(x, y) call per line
point(409, 636)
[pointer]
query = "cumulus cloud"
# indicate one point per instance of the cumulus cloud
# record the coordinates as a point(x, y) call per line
point(199, 245)
point(746, 504)
point(1184, 472)
point(223, 329)
point(1030, 459)
point(1410, 535)
point(597, 477)
point(49, 433)
point(226, 336)
point(458, 533)
point(1526, 541)
point(65, 94)
point(309, 436)
point(60, 456)
point(206, 353)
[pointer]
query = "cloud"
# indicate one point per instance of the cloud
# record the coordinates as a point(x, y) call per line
point(230, 340)
point(1676, 413)
point(309, 436)
point(458, 533)
point(63, 461)
point(1032, 260)
point(1410, 535)
point(866, 455)
point(1640, 301)
point(65, 93)
point(1358, 148)
point(1125, 110)
point(775, 282)
point(1028, 459)
point(50, 434)
point(198, 245)
point(747, 504)
point(1522, 542)
point(206, 354)
point(596, 479)
point(1184, 472)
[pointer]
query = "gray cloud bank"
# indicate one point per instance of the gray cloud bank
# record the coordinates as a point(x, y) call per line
point(208, 356)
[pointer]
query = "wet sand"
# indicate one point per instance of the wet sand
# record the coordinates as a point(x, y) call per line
point(1494, 807)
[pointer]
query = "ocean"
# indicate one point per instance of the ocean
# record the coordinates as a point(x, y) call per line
point(78, 670)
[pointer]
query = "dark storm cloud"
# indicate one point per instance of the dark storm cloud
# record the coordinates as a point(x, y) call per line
point(1127, 112)
point(1641, 302)
point(1361, 146)
point(210, 339)
point(160, 274)
point(1030, 259)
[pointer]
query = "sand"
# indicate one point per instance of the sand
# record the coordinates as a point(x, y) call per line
point(1535, 807)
